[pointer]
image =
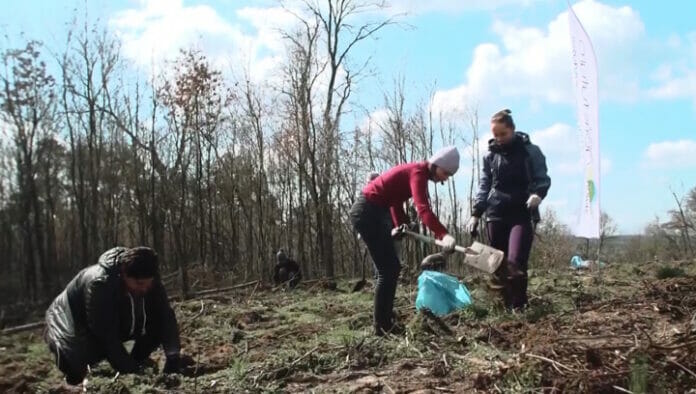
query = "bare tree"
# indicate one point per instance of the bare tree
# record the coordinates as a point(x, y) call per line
point(475, 156)
point(193, 103)
point(395, 140)
point(332, 23)
point(555, 245)
point(87, 66)
point(255, 114)
point(298, 140)
point(27, 101)
point(607, 228)
point(680, 222)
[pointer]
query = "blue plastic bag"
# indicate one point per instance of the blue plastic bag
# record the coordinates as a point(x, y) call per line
point(577, 262)
point(441, 293)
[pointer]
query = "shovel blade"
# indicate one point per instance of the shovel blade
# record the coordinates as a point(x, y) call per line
point(485, 258)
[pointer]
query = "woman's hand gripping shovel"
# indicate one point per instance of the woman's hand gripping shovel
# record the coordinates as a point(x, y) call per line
point(478, 255)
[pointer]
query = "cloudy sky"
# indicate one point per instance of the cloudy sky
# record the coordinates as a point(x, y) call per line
point(491, 54)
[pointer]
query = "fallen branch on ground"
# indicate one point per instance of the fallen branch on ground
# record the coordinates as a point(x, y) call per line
point(24, 327)
point(215, 291)
point(253, 292)
point(682, 367)
point(554, 363)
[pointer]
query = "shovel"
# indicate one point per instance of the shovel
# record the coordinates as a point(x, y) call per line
point(478, 255)
point(362, 282)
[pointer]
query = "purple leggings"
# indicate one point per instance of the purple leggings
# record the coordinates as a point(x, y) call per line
point(514, 237)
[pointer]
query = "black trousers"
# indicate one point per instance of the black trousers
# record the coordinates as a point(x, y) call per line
point(72, 359)
point(374, 225)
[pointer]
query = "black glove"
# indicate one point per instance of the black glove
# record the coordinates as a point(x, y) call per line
point(172, 365)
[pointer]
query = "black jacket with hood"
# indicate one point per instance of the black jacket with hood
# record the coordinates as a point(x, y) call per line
point(510, 174)
point(92, 317)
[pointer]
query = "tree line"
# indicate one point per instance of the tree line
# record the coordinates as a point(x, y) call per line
point(208, 169)
point(205, 168)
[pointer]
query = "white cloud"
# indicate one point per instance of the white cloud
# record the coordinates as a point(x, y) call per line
point(250, 44)
point(572, 165)
point(415, 7)
point(677, 86)
point(374, 122)
point(671, 154)
point(677, 80)
point(557, 138)
point(268, 22)
point(605, 165)
point(158, 29)
point(534, 63)
point(559, 142)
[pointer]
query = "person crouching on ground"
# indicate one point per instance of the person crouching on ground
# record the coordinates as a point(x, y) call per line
point(379, 208)
point(286, 271)
point(118, 299)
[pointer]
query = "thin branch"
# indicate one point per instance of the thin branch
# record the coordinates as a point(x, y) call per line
point(548, 360)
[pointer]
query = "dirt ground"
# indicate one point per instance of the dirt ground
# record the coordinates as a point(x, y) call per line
point(620, 329)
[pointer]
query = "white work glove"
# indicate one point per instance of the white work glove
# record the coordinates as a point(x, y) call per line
point(472, 225)
point(448, 243)
point(533, 201)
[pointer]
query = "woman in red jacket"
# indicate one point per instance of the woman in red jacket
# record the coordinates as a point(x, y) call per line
point(379, 208)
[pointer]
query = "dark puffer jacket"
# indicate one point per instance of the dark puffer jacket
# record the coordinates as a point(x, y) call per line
point(510, 174)
point(92, 317)
point(287, 270)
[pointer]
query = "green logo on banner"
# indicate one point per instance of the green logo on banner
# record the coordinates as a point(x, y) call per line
point(591, 189)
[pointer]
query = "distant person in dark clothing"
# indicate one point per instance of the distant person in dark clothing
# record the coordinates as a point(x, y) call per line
point(513, 183)
point(286, 270)
point(379, 208)
point(118, 299)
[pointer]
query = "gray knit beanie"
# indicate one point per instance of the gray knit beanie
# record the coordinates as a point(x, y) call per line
point(446, 158)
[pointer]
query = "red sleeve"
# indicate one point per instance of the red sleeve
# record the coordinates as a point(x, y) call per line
point(398, 215)
point(419, 191)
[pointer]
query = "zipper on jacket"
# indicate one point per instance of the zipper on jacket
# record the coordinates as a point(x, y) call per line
point(132, 329)
point(142, 332)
